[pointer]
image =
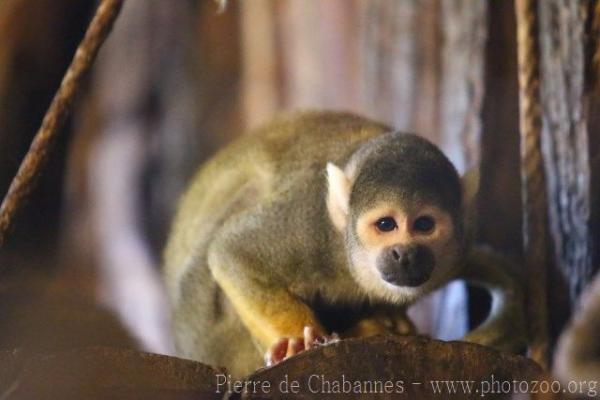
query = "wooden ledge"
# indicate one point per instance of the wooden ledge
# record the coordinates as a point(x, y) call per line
point(104, 373)
point(407, 365)
point(372, 368)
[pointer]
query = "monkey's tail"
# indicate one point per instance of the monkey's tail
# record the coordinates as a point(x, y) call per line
point(504, 328)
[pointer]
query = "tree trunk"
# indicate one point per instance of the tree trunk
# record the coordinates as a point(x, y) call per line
point(566, 150)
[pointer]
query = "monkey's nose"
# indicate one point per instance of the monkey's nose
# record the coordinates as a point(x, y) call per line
point(406, 265)
point(405, 257)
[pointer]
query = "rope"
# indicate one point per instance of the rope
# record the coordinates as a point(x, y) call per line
point(533, 189)
point(57, 114)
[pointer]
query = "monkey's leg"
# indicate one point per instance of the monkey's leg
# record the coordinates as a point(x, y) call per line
point(382, 322)
point(505, 327)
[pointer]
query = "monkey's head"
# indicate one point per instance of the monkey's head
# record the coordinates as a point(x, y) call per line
point(398, 203)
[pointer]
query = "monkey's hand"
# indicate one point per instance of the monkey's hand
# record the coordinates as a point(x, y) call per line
point(287, 347)
point(504, 328)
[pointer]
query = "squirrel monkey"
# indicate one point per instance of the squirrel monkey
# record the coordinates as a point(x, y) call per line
point(321, 222)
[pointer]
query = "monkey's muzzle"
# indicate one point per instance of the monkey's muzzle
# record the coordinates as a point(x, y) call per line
point(406, 265)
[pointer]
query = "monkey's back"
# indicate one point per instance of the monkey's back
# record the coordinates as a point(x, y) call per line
point(243, 174)
point(256, 163)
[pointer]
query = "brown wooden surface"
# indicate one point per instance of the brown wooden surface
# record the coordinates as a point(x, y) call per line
point(566, 151)
point(103, 373)
point(580, 338)
point(409, 359)
point(499, 209)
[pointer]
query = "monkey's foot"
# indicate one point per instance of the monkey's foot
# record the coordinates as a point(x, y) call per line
point(287, 347)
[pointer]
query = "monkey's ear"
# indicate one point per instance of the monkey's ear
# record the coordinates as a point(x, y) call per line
point(338, 195)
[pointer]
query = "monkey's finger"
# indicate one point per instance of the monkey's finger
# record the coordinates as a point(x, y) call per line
point(276, 352)
point(295, 346)
point(309, 337)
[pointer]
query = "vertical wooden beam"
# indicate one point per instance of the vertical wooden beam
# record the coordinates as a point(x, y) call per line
point(463, 32)
point(302, 54)
point(429, 29)
point(339, 46)
point(387, 60)
point(572, 104)
point(533, 177)
point(594, 47)
point(593, 81)
point(566, 148)
point(464, 29)
point(261, 95)
point(499, 201)
point(296, 55)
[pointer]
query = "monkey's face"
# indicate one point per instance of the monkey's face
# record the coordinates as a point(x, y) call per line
point(402, 252)
point(399, 204)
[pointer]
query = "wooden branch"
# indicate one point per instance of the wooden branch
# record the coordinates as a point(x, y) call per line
point(104, 373)
point(533, 177)
point(410, 363)
point(57, 114)
point(260, 65)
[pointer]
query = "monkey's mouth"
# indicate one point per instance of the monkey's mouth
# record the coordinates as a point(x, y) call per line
point(406, 278)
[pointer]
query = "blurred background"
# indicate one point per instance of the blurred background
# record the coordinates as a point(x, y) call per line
point(177, 80)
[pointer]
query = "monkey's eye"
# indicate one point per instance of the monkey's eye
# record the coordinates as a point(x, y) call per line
point(386, 224)
point(424, 224)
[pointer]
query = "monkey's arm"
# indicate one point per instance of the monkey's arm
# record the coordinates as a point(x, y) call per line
point(268, 312)
point(274, 315)
point(505, 327)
